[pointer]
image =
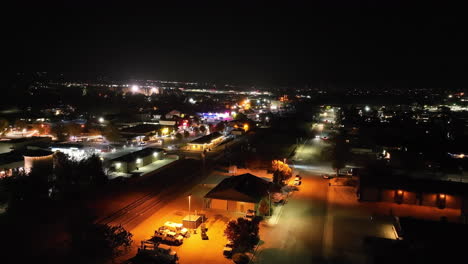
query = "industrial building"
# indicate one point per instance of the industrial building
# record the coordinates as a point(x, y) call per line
point(238, 193)
point(135, 160)
point(207, 142)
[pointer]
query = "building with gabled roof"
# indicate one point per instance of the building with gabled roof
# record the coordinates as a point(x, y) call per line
point(207, 142)
point(238, 193)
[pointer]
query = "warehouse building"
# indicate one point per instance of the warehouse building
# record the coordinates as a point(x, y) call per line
point(238, 193)
point(135, 160)
point(207, 142)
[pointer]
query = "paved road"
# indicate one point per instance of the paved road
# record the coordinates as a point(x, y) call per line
point(308, 157)
point(298, 235)
point(301, 234)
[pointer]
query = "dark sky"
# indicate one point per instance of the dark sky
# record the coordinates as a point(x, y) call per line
point(241, 42)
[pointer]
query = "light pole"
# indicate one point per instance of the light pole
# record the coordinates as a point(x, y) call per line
point(189, 202)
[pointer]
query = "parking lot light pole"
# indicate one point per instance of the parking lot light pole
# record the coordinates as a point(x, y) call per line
point(189, 202)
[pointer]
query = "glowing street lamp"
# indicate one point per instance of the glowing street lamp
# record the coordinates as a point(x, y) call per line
point(101, 120)
point(189, 204)
point(135, 88)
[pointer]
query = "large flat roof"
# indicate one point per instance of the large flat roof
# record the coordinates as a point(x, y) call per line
point(25, 139)
point(245, 188)
point(206, 139)
point(140, 129)
point(406, 183)
point(137, 154)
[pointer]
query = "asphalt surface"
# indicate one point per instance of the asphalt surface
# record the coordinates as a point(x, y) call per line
point(131, 202)
point(298, 235)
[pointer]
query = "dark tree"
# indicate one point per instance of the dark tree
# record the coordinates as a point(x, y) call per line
point(71, 176)
point(220, 126)
point(20, 124)
point(240, 116)
point(111, 133)
point(264, 207)
point(59, 131)
point(243, 233)
point(339, 153)
point(73, 129)
point(25, 191)
point(240, 258)
point(95, 243)
point(3, 125)
point(202, 128)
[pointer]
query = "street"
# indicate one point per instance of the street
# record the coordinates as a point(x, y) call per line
point(298, 235)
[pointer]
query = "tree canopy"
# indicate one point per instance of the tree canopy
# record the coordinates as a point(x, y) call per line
point(282, 172)
point(95, 243)
point(243, 233)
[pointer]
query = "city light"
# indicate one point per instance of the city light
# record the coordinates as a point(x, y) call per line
point(165, 130)
point(135, 88)
point(138, 161)
point(101, 120)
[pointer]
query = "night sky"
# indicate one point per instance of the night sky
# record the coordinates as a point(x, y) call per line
point(260, 43)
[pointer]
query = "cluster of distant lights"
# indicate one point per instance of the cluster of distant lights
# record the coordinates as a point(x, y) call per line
point(136, 89)
point(226, 92)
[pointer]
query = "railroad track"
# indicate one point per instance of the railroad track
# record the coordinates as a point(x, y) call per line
point(128, 214)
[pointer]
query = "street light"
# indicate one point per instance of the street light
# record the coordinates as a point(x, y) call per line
point(189, 202)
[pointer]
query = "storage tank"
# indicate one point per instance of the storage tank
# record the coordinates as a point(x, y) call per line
point(38, 158)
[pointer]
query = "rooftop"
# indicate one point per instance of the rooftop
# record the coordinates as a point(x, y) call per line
point(207, 139)
point(137, 154)
point(36, 153)
point(140, 129)
point(246, 188)
point(67, 145)
point(414, 184)
point(10, 157)
point(25, 139)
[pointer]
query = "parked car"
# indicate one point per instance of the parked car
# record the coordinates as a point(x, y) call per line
point(176, 227)
point(227, 251)
point(166, 236)
point(250, 214)
point(153, 252)
point(297, 182)
point(167, 251)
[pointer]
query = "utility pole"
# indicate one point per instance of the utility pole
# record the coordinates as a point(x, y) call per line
point(189, 204)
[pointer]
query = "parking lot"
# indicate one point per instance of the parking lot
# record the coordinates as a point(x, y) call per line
point(193, 249)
